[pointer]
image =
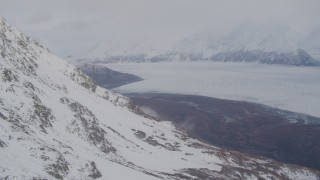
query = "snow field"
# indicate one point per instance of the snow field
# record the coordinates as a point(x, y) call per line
point(285, 87)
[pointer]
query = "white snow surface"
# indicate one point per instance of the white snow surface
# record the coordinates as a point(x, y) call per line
point(55, 123)
point(251, 41)
point(312, 44)
point(286, 87)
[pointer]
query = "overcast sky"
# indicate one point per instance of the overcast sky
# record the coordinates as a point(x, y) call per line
point(73, 26)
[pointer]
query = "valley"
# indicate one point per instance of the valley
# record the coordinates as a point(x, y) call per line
point(246, 127)
point(243, 126)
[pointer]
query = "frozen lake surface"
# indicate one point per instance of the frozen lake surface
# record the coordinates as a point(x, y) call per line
point(286, 87)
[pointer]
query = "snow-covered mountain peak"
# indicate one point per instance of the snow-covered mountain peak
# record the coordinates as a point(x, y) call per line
point(315, 32)
point(252, 26)
point(56, 123)
point(122, 50)
point(256, 36)
point(251, 41)
point(312, 43)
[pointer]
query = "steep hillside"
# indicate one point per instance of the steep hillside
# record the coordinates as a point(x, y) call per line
point(247, 127)
point(55, 123)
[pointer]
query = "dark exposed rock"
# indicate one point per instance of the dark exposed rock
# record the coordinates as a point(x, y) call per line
point(83, 80)
point(59, 168)
point(2, 116)
point(95, 173)
point(140, 134)
point(54, 162)
point(37, 178)
point(151, 140)
point(90, 170)
point(135, 109)
point(64, 100)
point(23, 56)
point(8, 76)
point(44, 116)
point(93, 133)
point(17, 123)
point(30, 86)
point(2, 144)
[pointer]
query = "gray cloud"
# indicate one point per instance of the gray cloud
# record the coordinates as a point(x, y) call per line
point(74, 26)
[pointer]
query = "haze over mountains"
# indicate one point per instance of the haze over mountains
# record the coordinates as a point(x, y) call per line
point(249, 42)
point(56, 123)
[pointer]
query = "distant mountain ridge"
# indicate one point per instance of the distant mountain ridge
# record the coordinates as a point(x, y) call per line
point(249, 42)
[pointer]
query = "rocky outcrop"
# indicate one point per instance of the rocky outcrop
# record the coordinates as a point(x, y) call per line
point(86, 125)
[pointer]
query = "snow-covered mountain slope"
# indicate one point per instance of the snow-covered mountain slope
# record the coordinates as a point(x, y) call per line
point(312, 44)
point(55, 123)
point(249, 42)
point(122, 51)
point(251, 35)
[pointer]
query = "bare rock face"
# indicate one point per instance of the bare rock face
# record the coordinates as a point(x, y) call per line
point(95, 173)
point(86, 125)
point(8, 76)
point(2, 144)
point(57, 167)
point(82, 79)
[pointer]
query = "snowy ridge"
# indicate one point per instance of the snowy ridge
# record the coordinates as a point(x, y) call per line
point(122, 51)
point(57, 124)
point(312, 43)
point(249, 42)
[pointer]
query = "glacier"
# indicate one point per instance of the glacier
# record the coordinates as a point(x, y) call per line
point(285, 87)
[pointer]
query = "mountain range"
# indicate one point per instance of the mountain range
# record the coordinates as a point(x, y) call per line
point(56, 123)
point(249, 42)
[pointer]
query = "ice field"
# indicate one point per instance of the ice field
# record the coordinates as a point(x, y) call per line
point(286, 87)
